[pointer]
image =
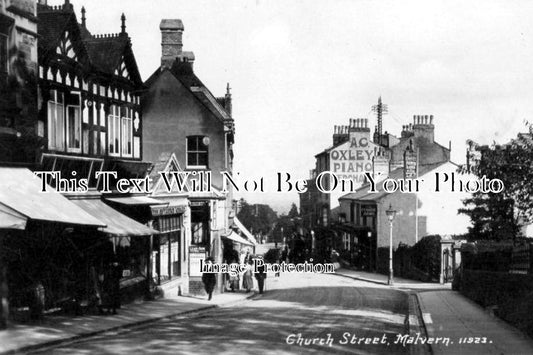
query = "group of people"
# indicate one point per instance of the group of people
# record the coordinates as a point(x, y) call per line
point(209, 279)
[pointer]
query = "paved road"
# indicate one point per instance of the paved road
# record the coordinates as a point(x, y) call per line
point(295, 307)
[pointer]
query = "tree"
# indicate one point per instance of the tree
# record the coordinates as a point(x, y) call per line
point(257, 218)
point(501, 215)
point(294, 211)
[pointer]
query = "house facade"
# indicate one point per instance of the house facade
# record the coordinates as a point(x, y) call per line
point(181, 116)
point(90, 120)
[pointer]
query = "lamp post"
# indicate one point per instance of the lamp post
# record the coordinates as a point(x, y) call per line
point(390, 214)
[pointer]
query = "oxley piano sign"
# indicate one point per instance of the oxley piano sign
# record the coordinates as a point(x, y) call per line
point(352, 159)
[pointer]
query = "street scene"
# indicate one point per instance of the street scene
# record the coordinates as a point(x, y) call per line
point(281, 177)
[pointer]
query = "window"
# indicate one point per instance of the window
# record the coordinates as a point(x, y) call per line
point(74, 123)
point(3, 54)
point(114, 131)
point(127, 132)
point(56, 121)
point(120, 131)
point(197, 152)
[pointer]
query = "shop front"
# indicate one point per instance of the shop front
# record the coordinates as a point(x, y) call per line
point(46, 245)
point(170, 245)
point(131, 243)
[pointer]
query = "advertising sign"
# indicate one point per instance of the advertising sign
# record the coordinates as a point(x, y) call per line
point(196, 255)
point(354, 158)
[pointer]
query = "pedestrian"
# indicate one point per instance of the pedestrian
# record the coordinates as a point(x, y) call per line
point(285, 254)
point(209, 279)
point(248, 282)
point(260, 275)
point(112, 287)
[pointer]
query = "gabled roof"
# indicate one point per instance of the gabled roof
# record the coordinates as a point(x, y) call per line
point(53, 23)
point(183, 71)
point(107, 52)
point(103, 53)
point(167, 163)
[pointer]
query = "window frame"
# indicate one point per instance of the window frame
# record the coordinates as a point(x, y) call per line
point(66, 116)
point(197, 152)
point(126, 134)
point(114, 131)
point(53, 107)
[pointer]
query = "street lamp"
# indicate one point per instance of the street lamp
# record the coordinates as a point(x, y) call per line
point(390, 215)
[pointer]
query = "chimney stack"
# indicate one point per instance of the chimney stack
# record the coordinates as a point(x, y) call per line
point(171, 41)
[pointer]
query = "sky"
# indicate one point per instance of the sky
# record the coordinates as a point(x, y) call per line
point(299, 67)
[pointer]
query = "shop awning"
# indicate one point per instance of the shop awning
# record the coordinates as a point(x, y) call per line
point(136, 200)
point(117, 223)
point(245, 231)
point(20, 190)
point(237, 238)
point(11, 219)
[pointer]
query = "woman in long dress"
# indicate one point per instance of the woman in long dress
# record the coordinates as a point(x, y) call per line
point(248, 282)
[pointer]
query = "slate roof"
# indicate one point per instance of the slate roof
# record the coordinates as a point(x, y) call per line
point(362, 193)
point(106, 53)
point(51, 25)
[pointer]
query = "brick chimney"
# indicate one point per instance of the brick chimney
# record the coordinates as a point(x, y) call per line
point(171, 41)
point(423, 127)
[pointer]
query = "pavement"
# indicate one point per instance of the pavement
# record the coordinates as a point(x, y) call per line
point(454, 323)
point(58, 329)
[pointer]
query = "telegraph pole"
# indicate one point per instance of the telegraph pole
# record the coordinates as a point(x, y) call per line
point(380, 109)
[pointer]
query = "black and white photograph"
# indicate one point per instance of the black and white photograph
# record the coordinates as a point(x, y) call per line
point(266, 177)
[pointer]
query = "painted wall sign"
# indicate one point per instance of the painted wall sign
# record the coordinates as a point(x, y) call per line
point(353, 158)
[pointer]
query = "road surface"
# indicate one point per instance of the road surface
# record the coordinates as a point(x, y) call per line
point(339, 314)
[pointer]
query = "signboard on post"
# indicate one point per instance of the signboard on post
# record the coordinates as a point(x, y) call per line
point(196, 257)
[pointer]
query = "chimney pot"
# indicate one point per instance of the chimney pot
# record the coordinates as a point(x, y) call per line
point(431, 119)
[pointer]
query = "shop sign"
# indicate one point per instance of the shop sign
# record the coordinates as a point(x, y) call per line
point(169, 210)
point(196, 256)
point(199, 203)
point(369, 210)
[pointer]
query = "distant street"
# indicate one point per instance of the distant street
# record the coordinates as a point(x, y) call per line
point(294, 308)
